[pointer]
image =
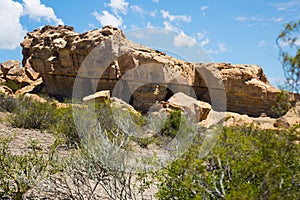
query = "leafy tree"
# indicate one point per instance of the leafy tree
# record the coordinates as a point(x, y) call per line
point(288, 43)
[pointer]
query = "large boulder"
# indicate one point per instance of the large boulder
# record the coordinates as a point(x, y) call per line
point(100, 59)
point(196, 110)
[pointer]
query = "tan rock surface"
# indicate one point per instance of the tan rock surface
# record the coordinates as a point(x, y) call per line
point(106, 60)
point(293, 115)
point(195, 110)
point(98, 97)
point(6, 66)
point(5, 90)
point(35, 97)
point(21, 80)
point(234, 119)
point(247, 88)
point(34, 86)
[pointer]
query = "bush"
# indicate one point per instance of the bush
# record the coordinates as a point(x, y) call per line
point(244, 164)
point(32, 114)
point(144, 141)
point(87, 174)
point(14, 86)
point(172, 124)
point(7, 103)
point(282, 104)
point(19, 173)
point(65, 125)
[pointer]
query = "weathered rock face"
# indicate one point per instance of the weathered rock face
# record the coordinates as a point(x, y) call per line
point(59, 54)
point(247, 88)
point(103, 59)
point(20, 79)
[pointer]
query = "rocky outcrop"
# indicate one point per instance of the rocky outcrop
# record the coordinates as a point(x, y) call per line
point(248, 90)
point(19, 79)
point(103, 59)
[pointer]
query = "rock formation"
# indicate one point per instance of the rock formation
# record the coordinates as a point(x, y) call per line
point(101, 59)
point(198, 109)
point(248, 90)
point(19, 80)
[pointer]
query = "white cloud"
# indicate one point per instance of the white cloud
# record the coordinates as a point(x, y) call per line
point(37, 11)
point(119, 6)
point(153, 13)
point(258, 20)
point(137, 9)
point(182, 40)
point(284, 6)
point(204, 42)
point(277, 19)
point(155, 1)
point(170, 27)
point(203, 9)
point(261, 43)
point(12, 32)
point(108, 19)
point(167, 15)
point(201, 35)
point(93, 26)
point(221, 49)
point(149, 25)
point(241, 19)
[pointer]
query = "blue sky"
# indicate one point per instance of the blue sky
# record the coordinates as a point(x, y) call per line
point(235, 31)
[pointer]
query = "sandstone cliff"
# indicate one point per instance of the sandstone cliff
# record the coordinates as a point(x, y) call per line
point(59, 54)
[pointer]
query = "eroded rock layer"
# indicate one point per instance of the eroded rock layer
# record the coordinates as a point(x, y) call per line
point(77, 64)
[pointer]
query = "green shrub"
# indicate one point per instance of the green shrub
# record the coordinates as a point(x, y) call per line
point(14, 86)
point(144, 141)
point(172, 124)
point(19, 173)
point(244, 164)
point(282, 104)
point(32, 114)
point(7, 103)
point(64, 125)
